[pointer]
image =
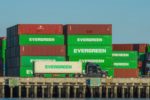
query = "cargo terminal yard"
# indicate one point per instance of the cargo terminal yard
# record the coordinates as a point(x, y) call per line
point(71, 61)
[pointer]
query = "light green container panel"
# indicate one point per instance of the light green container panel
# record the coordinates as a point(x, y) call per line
point(26, 72)
point(89, 40)
point(27, 61)
point(125, 54)
point(90, 51)
point(119, 63)
point(103, 62)
point(141, 56)
point(41, 39)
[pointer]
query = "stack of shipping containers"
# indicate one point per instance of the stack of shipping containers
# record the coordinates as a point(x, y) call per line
point(90, 43)
point(141, 49)
point(125, 61)
point(32, 42)
point(2, 55)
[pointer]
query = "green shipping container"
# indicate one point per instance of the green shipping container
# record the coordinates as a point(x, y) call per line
point(57, 75)
point(3, 49)
point(26, 72)
point(90, 51)
point(148, 48)
point(47, 75)
point(89, 40)
point(27, 61)
point(119, 63)
point(110, 71)
point(141, 56)
point(103, 62)
point(41, 39)
point(0, 53)
point(125, 54)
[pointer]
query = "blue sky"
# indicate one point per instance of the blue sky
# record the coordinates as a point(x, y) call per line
point(130, 18)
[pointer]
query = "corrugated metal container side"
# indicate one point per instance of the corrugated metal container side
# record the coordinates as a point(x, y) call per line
point(26, 72)
point(89, 29)
point(1, 73)
point(90, 51)
point(1, 66)
point(140, 47)
point(3, 48)
point(13, 71)
point(123, 47)
point(121, 63)
point(125, 54)
point(142, 56)
point(110, 71)
point(35, 29)
point(48, 75)
point(140, 64)
point(126, 73)
point(148, 48)
point(1, 41)
point(43, 50)
point(57, 75)
point(103, 62)
point(27, 61)
point(89, 40)
point(41, 40)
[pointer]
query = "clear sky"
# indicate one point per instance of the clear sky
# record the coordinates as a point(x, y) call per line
point(130, 18)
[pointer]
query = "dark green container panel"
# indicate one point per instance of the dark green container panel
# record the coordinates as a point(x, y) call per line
point(41, 39)
point(125, 54)
point(3, 49)
point(26, 72)
point(148, 48)
point(90, 51)
point(57, 76)
point(110, 71)
point(141, 56)
point(89, 40)
point(0, 53)
point(48, 75)
point(27, 61)
point(119, 63)
point(103, 62)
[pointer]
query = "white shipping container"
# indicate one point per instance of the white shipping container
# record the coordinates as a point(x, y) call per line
point(57, 67)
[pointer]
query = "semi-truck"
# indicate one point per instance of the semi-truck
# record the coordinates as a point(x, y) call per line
point(67, 67)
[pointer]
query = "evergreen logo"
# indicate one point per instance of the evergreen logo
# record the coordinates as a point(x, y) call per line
point(29, 72)
point(120, 55)
point(33, 60)
point(121, 64)
point(58, 67)
point(89, 50)
point(89, 39)
point(41, 39)
point(92, 60)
